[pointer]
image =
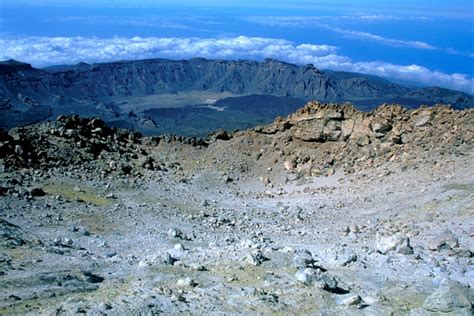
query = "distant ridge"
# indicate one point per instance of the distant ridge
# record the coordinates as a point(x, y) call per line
point(29, 94)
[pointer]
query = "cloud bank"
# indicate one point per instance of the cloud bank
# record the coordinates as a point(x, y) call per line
point(43, 51)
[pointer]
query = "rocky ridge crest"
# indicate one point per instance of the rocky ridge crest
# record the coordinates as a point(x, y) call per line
point(340, 135)
point(317, 138)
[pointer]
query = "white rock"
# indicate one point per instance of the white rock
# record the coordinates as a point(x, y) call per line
point(397, 242)
point(289, 165)
point(178, 247)
point(349, 300)
point(186, 282)
point(306, 276)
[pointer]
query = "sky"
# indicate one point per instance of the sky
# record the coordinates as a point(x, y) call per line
point(423, 42)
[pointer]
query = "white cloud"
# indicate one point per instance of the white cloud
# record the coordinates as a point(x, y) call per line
point(321, 22)
point(42, 51)
point(156, 21)
point(300, 21)
point(381, 17)
point(380, 39)
point(153, 21)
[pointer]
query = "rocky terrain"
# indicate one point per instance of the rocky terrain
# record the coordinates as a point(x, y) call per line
point(329, 211)
point(134, 94)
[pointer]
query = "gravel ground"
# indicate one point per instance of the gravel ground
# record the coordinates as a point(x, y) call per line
point(219, 231)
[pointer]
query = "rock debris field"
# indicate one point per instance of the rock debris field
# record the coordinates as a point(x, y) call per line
point(329, 211)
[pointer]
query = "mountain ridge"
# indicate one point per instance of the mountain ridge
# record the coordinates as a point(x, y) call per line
point(101, 89)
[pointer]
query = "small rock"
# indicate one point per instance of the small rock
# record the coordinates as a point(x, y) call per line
point(84, 232)
point(303, 259)
point(307, 276)
point(289, 165)
point(349, 300)
point(345, 258)
point(264, 180)
point(19, 150)
point(175, 233)
point(111, 196)
point(37, 192)
point(110, 254)
point(197, 267)
point(326, 282)
point(166, 258)
point(179, 247)
point(92, 278)
point(423, 120)
point(73, 228)
point(256, 258)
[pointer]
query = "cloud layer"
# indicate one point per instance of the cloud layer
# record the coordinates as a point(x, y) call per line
point(42, 51)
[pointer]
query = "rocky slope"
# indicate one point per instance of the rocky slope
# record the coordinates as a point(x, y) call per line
point(327, 211)
point(30, 95)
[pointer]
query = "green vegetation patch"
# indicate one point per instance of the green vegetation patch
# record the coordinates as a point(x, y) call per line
point(459, 187)
point(67, 191)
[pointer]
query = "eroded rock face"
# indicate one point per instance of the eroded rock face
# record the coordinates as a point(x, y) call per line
point(318, 122)
point(358, 140)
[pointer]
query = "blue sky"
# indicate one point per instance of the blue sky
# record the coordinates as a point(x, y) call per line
point(424, 42)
